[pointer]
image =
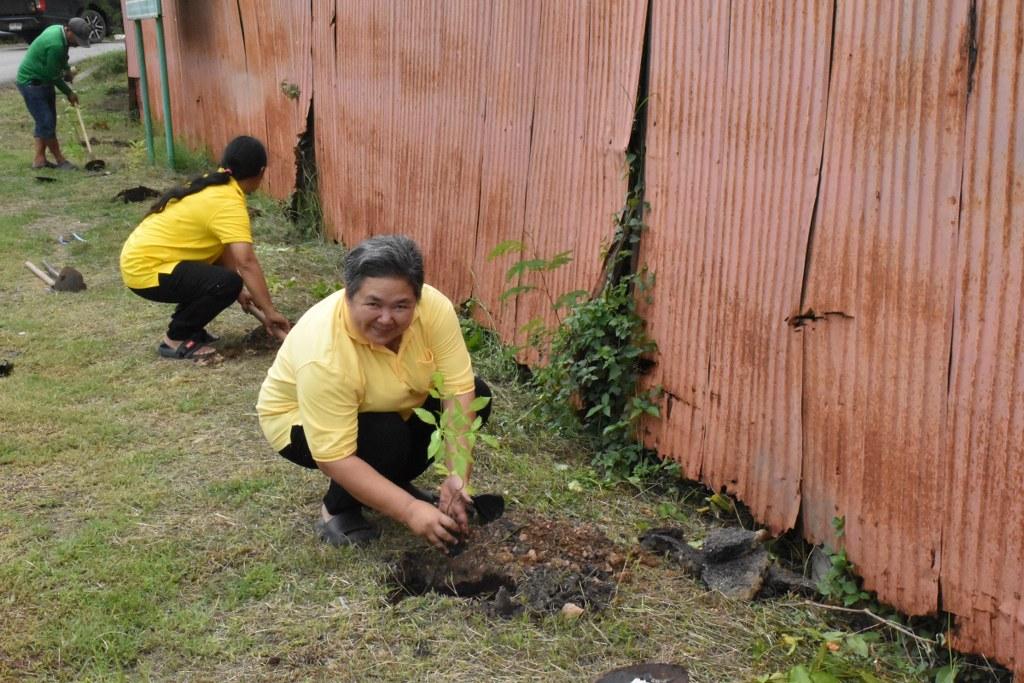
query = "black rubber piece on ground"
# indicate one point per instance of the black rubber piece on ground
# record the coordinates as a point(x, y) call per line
point(489, 506)
point(139, 193)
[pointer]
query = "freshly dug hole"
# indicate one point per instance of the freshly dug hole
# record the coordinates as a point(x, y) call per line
point(520, 562)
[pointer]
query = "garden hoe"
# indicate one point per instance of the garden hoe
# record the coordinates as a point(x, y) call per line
point(92, 164)
point(66, 279)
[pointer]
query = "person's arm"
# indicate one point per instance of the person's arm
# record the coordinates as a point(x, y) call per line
point(55, 63)
point(241, 257)
point(371, 488)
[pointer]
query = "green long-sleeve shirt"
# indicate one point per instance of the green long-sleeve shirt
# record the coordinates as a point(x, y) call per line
point(46, 60)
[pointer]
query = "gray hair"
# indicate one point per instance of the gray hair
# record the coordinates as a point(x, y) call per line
point(384, 256)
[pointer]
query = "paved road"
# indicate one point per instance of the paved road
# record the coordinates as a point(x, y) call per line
point(10, 56)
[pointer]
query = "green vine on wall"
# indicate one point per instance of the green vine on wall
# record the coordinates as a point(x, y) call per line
point(597, 352)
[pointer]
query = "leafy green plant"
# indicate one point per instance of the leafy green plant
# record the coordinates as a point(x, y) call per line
point(840, 583)
point(323, 288)
point(839, 656)
point(596, 353)
point(455, 435)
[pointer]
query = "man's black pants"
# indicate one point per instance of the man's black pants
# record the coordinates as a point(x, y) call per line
point(396, 448)
point(201, 291)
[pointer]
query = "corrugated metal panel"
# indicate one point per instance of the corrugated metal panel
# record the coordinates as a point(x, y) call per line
point(983, 533)
point(507, 152)
point(689, 47)
point(881, 274)
point(410, 74)
point(227, 64)
point(583, 111)
point(747, 155)
point(527, 110)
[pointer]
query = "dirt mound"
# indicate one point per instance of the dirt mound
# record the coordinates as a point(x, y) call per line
point(256, 342)
point(520, 562)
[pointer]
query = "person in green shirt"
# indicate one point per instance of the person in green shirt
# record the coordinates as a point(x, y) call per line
point(43, 67)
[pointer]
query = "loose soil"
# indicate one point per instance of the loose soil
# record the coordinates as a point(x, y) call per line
point(256, 342)
point(521, 562)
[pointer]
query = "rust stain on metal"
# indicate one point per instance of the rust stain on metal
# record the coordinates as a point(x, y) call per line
point(740, 136)
point(509, 123)
point(234, 69)
point(983, 537)
point(883, 252)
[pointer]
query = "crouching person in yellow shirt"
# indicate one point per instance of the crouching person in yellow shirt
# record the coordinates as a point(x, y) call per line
point(340, 395)
point(194, 248)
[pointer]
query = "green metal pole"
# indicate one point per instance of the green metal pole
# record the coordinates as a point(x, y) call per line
point(166, 92)
point(140, 51)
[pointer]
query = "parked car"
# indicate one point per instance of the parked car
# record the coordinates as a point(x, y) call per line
point(28, 18)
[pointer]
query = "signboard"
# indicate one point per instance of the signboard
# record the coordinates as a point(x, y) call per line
point(142, 9)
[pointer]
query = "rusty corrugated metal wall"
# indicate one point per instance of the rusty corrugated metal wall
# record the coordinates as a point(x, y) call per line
point(454, 127)
point(983, 515)
point(826, 277)
point(231, 68)
point(836, 228)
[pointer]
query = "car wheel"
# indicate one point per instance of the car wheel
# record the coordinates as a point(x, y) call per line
point(97, 25)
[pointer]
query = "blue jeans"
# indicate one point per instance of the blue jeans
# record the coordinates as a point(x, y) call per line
point(42, 104)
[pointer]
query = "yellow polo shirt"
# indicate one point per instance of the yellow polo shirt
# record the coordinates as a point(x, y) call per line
point(326, 373)
point(195, 228)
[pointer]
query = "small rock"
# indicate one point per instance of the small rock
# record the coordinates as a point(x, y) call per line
point(722, 545)
point(571, 610)
point(740, 578)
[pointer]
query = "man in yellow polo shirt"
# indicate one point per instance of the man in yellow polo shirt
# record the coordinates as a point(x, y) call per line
point(340, 395)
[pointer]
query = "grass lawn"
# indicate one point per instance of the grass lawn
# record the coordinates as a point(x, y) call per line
point(148, 532)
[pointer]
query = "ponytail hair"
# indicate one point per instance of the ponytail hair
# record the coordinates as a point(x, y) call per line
point(244, 157)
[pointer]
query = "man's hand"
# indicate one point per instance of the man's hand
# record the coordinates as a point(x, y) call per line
point(73, 99)
point(69, 74)
point(454, 500)
point(278, 321)
point(425, 520)
point(244, 299)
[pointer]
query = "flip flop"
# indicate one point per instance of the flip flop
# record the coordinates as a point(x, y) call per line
point(187, 350)
point(347, 528)
point(48, 164)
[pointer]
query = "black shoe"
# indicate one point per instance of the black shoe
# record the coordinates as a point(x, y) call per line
point(347, 528)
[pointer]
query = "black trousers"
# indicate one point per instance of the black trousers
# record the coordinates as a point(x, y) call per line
point(396, 448)
point(201, 291)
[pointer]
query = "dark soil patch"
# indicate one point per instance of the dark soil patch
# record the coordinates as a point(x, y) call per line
point(139, 193)
point(254, 343)
point(520, 563)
